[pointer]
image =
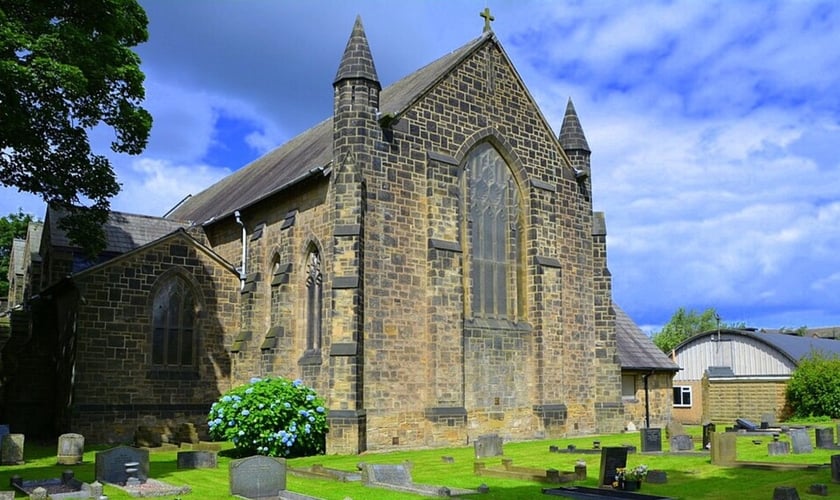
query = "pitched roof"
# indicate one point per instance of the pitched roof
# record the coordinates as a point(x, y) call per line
point(794, 347)
point(635, 349)
point(123, 232)
point(310, 153)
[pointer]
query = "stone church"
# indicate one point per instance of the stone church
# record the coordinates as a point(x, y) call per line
point(427, 259)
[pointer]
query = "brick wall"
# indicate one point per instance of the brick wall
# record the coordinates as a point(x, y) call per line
point(729, 399)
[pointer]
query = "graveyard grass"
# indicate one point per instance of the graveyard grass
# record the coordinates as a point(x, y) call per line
point(688, 477)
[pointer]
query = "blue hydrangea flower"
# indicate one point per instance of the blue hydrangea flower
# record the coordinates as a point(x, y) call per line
point(311, 419)
point(249, 390)
point(245, 413)
point(254, 380)
point(297, 383)
point(320, 409)
point(241, 433)
point(310, 397)
point(226, 399)
point(287, 404)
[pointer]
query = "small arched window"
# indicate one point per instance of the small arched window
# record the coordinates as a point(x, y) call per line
point(173, 324)
point(495, 232)
point(314, 300)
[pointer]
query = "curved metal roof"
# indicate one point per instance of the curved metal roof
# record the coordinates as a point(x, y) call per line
point(793, 347)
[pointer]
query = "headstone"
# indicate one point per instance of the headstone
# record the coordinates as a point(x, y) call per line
point(393, 474)
point(196, 459)
point(612, 458)
point(96, 490)
point(71, 449)
point(116, 465)
point(824, 437)
point(818, 489)
point(674, 428)
point(835, 468)
point(257, 476)
point(801, 441)
point(7, 495)
point(785, 493)
point(488, 445)
point(651, 439)
point(723, 448)
point(743, 423)
point(682, 442)
point(708, 429)
point(770, 418)
point(656, 477)
point(776, 448)
point(11, 449)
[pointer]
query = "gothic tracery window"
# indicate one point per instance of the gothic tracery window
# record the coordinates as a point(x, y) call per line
point(314, 299)
point(173, 325)
point(495, 232)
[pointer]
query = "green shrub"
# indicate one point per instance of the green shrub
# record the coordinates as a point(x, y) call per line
point(814, 387)
point(272, 416)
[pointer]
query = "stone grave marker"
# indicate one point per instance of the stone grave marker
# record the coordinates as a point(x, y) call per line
point(723, 448)
point(801, 441)
point(785, 493)
point(682, 442)
point(38, 493)
point(651, 439)
point(708, 429)
point(118, 464)
point(824, 437)
point(257, 476)
point(71, 449)
point(488, 445)
point(775, 448)
point(197, 459)
point(612, 458)
point(674, 428)
point(11, 449)
point(835, 468)
point(393, 474)
point(818, 489)
point(656, 476)
point(769, 419)
point(743, 423)
point(7, 495)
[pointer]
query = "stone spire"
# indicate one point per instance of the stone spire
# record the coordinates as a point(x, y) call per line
point(357, 62)
point(571, 133)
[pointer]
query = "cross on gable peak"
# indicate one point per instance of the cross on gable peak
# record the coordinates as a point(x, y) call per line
point(488, 18)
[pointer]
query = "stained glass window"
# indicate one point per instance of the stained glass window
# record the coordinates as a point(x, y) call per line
point(314, 299)
point(173, 320)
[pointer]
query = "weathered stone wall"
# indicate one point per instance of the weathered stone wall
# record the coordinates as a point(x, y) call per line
point(659, 394)
point(726, 400)
point(116, 387)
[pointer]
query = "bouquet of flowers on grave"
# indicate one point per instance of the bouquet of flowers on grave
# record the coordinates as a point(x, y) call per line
point(637, 473)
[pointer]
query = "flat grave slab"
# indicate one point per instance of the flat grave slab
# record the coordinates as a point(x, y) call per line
point(397, 477)
point(586, 493)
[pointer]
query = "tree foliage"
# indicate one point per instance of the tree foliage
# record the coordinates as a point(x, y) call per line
point(814, 387)
point(11, 226)
point(66, 68)
point(685, 324)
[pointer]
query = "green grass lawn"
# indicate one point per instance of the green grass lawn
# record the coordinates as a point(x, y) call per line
point(689, 477)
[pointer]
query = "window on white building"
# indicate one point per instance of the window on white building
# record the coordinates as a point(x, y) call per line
point(682, 396)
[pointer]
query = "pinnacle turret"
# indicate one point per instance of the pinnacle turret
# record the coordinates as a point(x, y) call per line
point(357, 61)
point(571, 133)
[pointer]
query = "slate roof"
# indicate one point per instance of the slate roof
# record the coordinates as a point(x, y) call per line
point(635, 349)
point(571, 132)
point(123, 232)
point(310, 153)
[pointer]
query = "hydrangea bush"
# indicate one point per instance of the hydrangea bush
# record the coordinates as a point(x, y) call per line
point(272, 416)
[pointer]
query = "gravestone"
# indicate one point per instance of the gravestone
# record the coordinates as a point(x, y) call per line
point(824, 438)
point(11, 449)
point(785, 493)
point(674, 428)
point(818, 489)
point(38, 494)
point(769, 418)
point(778, 448)
point(651, 439)
point(723, 448)
point(71, 449)
point(747, 425)
point(392, 474)
point(682, 442)
point(197, 459)
point(257, 476)
point(8, 495)
point(801, 441)
point(118, 464)
point(835, 468)
point(488, 445)
point(656, 476)
point(708, 429)
point(612, 458)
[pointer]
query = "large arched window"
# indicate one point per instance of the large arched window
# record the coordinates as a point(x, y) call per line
point(495, 232)
point(173, 324)
point(314, 299)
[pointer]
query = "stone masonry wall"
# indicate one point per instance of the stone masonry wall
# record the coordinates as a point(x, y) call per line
point(726, 400)
point(116, 387)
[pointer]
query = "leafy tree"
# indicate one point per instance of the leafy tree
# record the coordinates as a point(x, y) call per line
point(65, 68)
point(11, 226)
point(685, 324)
point(814, 387)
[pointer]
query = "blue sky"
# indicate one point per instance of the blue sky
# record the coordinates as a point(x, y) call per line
point(714, 126)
